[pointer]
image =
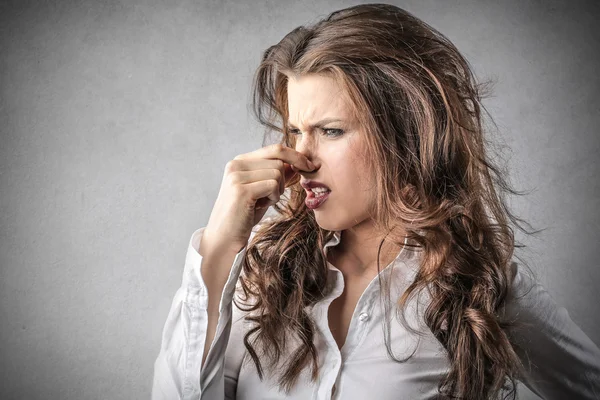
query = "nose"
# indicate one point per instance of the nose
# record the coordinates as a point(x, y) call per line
point(307, 146)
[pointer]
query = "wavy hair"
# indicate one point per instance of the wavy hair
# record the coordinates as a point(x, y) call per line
point(419, 106)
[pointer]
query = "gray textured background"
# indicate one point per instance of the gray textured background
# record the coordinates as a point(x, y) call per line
point(117, 119)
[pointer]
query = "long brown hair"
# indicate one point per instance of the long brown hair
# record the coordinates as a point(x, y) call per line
point(419, 106)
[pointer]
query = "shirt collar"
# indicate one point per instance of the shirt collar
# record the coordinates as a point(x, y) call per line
point(404, 253)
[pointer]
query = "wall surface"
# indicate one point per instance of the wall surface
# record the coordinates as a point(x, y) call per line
point(118, 117)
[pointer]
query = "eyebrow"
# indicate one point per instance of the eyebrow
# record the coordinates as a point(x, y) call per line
point(319, 123)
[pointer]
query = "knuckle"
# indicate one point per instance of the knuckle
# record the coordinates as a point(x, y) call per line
point(277, 147)
point(233, 165)
point(230, 166)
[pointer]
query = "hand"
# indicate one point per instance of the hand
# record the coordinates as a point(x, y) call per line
point(252, 182)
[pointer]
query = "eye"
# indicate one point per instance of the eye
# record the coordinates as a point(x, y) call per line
point(329, 132)
point(333, 132)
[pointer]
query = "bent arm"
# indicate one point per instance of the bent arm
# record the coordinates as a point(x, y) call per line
point(182, 370)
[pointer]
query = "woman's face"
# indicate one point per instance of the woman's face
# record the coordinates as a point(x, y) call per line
point(320, 120)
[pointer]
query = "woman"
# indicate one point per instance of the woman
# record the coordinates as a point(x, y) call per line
point(382, 147)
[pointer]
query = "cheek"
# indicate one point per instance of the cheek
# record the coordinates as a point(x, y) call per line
point(362, 176)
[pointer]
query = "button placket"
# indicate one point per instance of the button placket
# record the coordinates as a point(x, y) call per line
point(335, 372)
point(359, 326)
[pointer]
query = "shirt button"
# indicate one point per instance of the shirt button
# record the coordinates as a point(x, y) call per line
point(363, 317)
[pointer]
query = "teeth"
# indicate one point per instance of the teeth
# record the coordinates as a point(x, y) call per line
point(319, 190)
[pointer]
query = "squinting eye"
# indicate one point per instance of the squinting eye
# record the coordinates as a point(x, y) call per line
point(329, 132)
point(334, 132)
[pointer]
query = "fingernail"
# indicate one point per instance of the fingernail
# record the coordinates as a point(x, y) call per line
point(311, 165)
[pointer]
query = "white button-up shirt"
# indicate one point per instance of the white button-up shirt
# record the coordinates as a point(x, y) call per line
point(564, 362)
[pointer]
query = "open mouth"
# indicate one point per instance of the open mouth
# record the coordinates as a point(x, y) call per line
point(315, 199)
point(317, 192)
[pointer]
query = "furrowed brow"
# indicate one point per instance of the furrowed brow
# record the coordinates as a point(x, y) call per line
point(319, 123)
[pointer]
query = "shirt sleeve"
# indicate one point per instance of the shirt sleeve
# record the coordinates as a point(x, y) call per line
point(561, 361)
point(177, 369)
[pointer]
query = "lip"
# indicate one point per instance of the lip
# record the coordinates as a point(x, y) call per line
point(310, 184)
point(313, 202)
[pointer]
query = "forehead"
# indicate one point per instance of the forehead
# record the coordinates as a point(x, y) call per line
point(314, 97)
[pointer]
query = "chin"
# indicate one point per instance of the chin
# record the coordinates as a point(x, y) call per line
point(327, 225)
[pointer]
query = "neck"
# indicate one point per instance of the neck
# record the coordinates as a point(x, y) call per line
point(356, 254)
